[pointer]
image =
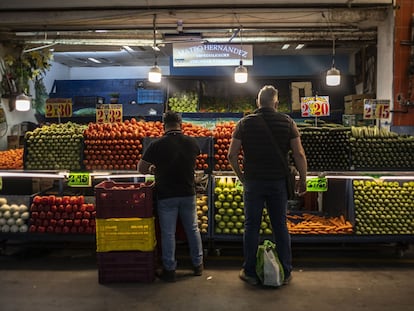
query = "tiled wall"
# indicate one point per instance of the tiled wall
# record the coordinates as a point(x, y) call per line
point(403, 22)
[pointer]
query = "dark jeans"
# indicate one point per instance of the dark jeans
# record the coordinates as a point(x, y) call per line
point(273, 195)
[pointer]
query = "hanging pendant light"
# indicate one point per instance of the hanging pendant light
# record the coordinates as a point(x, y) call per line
point(240, 72)
point(154, 74)
point(333, 75)
point(22, 102)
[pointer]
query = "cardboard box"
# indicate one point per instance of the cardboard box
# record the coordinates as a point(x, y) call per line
point(354, 104)
point(15, 141)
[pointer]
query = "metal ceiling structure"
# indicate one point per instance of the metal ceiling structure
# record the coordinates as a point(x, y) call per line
point(103, 29)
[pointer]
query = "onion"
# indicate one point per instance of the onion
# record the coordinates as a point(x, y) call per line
point(23, 228)
point(3, 201)
point(23, 208)
point(5, 228)
point(5, 207)
point(16, 215)
point(7, 214)
point(24, 215)
point(19, 222)
point(14, 228)
point(14, 208)
point(11, 221)
point(2, 221)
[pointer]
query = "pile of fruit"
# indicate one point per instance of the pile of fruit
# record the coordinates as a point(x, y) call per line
point(116, 146)
point(228, 206)
point(183, 102)
point(383, 207)
point(202, 212)
point(55, 146)
point(11, 159)
point(374, 148)
point(13, 217)
point(326, 148)
point(65, 215)
point(222, 137)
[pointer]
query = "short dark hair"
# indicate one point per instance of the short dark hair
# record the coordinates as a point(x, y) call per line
point(172, 118)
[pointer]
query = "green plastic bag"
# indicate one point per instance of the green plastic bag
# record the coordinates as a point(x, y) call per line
point(268, 267)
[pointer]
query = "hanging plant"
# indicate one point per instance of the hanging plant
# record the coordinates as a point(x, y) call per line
point(20, 68)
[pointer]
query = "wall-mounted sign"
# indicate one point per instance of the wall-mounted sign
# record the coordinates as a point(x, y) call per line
point(315, 106)
point(196, 54)
point(376, 109)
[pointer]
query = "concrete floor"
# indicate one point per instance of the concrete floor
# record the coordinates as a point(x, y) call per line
point(324, 278)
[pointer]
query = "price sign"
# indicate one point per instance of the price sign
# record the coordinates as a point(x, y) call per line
point(149, 178)
point(376, 109)
point(318, 184)
point(109, 113)
point(369, 109)
point(382, 111)
point(317, 106)
point(79, 180)
point(58, 107)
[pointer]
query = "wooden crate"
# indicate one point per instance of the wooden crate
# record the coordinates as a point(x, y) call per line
point(354, 104)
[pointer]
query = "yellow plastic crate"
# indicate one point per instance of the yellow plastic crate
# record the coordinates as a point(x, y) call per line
point(125, 234)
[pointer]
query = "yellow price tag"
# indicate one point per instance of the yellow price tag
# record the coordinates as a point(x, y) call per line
point(58, 107)
point(109, 113)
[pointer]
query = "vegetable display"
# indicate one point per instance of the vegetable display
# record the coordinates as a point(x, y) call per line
point(62, 215)
point(13, 217)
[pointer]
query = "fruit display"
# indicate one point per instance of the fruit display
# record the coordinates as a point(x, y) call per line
point(383, 207)
point(62, 215)
point(202, 212)
point(202, 162)
point(228, 206)
point(183, 102)
point(55, 146)
point(374, 148)
point(115, 146)
point(13, 217)
point(11, 159)
point(326, 148)
point(222, 137)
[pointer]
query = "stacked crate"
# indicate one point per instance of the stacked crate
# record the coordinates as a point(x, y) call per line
point(125, 232)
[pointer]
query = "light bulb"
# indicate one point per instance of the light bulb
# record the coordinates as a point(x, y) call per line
point(22, 102)
point(154, 75)
point(240, 74)
point(333, 77)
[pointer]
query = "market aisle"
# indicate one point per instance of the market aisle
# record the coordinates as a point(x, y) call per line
point(67, 280)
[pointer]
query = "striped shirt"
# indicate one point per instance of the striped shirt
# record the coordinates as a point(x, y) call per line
point(260, 159)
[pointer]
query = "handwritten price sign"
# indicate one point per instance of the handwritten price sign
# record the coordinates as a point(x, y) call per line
point(58, 107)
point(317, 106)
point(109, 113)
point(376, 109)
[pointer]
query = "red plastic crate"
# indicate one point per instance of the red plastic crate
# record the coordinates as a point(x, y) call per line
point(131, 266)
point(118, 200)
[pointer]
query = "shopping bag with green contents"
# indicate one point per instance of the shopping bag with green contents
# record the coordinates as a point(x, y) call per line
point(268, 267)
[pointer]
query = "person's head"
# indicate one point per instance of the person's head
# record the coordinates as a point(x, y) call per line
point(268, 97)
point(172, 120)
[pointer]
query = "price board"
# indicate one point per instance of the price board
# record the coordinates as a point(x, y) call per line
point(108, 113)
point(79, 180)
point(318, 184)
point(376, 109)
point(58, 107)
point(315, 106)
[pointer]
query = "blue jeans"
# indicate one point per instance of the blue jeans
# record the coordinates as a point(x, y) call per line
point(273, 195)
point(168, 211)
